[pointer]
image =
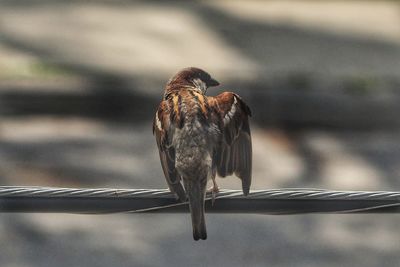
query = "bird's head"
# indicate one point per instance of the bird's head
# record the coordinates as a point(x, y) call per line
point(193, 77)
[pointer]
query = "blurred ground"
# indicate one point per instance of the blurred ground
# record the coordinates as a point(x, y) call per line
point(79, 83)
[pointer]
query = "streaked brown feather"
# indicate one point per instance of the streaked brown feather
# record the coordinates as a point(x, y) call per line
point(166, 151)
point(234, 154)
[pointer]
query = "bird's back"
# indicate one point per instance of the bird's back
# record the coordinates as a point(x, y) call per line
point(193, 134)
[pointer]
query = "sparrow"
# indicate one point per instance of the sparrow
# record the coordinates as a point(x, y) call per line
point(199, 136)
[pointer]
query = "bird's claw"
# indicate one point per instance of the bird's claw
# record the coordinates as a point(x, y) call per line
point(213, 190)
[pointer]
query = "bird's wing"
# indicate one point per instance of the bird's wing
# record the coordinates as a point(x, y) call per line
point(234, 153)
point(161, 129)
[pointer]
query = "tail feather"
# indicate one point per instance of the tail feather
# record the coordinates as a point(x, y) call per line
point(196, 193)
point(199, 231)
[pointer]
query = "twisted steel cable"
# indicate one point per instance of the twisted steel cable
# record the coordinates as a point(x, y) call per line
point(273, 201)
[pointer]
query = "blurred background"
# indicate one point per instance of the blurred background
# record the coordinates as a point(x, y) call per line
point(79, 84)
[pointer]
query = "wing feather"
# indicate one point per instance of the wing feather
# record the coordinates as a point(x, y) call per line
point(234, 153)
point(161, 127)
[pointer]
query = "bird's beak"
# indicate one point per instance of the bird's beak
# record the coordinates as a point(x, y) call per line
point(213, 82)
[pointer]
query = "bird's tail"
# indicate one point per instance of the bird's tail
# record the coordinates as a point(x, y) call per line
point(196, 192)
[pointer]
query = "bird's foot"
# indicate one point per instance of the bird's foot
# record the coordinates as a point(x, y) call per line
point(213, 190)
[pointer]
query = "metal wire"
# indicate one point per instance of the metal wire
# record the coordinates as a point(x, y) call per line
point(273, 201)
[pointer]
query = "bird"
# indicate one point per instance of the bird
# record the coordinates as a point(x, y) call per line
point(200, 136)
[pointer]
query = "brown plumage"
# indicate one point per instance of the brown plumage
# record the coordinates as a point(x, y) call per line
point(199, 136)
